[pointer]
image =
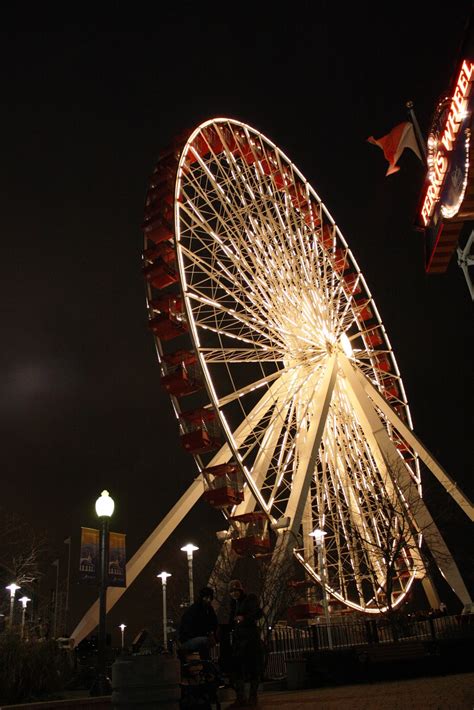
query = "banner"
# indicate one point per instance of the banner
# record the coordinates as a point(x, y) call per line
point(117, 560)
point(89, 560)
point(89, 563)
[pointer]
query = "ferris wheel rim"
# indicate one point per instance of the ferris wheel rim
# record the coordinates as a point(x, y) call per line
point(194, 334)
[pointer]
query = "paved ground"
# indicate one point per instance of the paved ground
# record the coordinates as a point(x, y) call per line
point(453, 692)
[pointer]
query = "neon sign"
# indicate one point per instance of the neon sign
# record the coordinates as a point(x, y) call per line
point(439, 148)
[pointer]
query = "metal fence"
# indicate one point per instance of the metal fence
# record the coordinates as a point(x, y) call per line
point(288, 643)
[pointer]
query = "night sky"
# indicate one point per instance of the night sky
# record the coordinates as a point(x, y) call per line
point(84, 115)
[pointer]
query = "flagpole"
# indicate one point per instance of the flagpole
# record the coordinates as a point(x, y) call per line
point(55, 625)
point(418, 134)
point(66, 614)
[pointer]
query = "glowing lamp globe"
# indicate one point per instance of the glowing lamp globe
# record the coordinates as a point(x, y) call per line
point(318, 536)
point(189, 548)
point(104, 505)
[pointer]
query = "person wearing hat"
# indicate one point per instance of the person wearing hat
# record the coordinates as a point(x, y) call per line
point(247, 650)
point(198, 624)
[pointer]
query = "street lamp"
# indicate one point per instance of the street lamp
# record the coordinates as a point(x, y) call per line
point(104, 508)
point(318, 536)
point(24, 601)
point(189, 549)
point(164, 576)
point(12, 588)
point(122, 628)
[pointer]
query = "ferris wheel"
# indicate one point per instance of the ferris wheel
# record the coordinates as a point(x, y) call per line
point(283, 336)
point(281, 374)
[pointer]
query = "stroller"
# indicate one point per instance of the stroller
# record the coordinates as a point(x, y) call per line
point(200, 682)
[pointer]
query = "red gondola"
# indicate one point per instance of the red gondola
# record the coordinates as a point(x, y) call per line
point(383, 363)
point(166, 328)
point(390, 389)
point(341, 262)
point(253, 535)
point(184, 357)
point(364, 310)
point(160, 275)
point(159, 230)
point(352, 284)
point(182, 381)
point(225, 486)
point(200, 431)
point(374, 338)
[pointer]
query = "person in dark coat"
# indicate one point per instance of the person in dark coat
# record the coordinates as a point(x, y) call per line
point(247, 649)
point(198, 624)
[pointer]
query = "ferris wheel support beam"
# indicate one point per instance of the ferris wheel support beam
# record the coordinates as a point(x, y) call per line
point(264, 457)
point(142, 557)
point(436, 469)
point(375, 430)
point(361, 526)
point(309, 450)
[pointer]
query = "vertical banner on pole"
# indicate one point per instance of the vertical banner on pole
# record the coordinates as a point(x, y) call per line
point(117, 560)
point(89, 557)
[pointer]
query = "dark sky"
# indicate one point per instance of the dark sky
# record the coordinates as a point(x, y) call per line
point(84, 115)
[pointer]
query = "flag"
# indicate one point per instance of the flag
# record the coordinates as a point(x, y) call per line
point(89, 555)
point(117, 560)
point(395, 142)
point(55, 563)
point(67, 541)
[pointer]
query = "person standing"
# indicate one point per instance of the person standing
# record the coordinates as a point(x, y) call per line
point(247, 649)
point(198, 625)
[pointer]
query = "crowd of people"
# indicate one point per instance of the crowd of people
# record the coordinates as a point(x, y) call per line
point(241, 650)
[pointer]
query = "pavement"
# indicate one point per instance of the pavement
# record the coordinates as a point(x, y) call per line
point(453, 692)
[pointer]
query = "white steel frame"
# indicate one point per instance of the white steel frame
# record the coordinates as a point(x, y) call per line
point(299, 368)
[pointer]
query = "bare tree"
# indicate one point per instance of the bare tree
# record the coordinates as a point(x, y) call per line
point(22, 550)
point(391, 543)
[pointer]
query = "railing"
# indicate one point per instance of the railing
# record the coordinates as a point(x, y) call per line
point(288, 643)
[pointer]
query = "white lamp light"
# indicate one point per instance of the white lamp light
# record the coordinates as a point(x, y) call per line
point(318, 536)
point(24, 601)
point(164, 576)
point(13, 589)
point(104, 505)
point(189, 548)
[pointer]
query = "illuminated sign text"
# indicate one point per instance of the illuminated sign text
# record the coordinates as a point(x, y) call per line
point(438, 158)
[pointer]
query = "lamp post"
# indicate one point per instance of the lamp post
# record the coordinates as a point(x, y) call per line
point(56, 599)
point(24, 601)
point(164, 576)
point(318, 536)
point(122, 628)
point(189, 549)
point(104, 508)
point(68, 579)
point(12, 588)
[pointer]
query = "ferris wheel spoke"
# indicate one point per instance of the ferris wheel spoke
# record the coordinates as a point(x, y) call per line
point(256, 355)
point(287, 379)
point(247, 316)
point(229, 316)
